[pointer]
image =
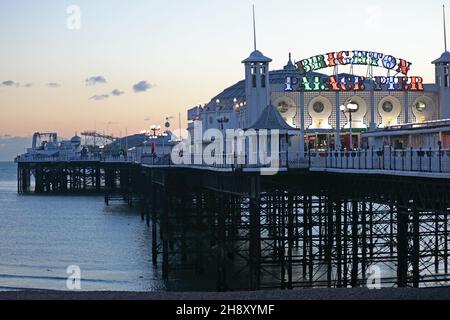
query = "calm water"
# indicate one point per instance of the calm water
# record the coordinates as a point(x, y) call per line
point(41, 236)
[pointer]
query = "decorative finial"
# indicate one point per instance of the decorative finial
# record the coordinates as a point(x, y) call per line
point(445, 29)
point(254, 28)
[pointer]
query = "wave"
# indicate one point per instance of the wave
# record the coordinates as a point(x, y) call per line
point(56, 278)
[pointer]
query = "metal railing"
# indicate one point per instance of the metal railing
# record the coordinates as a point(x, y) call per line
point(99, 158)
point(411, 160)
point(57, 159)
point(230, 161)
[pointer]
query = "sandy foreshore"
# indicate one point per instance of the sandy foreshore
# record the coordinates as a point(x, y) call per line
point(303, 294)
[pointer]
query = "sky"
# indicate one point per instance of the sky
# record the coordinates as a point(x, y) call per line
point(121, 66)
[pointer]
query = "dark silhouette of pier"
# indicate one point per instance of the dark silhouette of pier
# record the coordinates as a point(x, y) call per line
point(298, 228)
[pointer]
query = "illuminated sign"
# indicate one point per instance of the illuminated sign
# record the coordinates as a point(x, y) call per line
point(344, 82)
point(353, 83)
point(355, 57)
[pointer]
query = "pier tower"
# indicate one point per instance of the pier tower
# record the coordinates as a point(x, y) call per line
point(257, 84)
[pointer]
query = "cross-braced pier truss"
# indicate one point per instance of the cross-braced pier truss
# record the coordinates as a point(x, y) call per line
point(241, 230)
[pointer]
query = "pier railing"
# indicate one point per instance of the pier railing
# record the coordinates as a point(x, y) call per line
point(232, 161)
point(57, 159)
point(404, 160)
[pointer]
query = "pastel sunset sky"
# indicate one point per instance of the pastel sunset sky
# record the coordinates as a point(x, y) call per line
point(130, 64)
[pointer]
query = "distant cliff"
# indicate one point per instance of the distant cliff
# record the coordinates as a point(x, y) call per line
point(11, 146)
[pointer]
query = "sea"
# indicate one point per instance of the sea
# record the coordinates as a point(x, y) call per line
point(47, 241)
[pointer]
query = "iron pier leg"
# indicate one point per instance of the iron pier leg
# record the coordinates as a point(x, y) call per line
point(255, 233)
point(165, 235)
point(402, 247)
point(416, 248)
point(339, 243)
point(364, 240)
point(290, 238)
point(355, 249)
point(221, 239)
point(199, 233)
point(154, 229)
point(345, 236)
point(330, 242)
point(436, 243)
point(306, 213)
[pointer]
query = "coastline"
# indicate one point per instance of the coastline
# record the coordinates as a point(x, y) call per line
point(273, 295)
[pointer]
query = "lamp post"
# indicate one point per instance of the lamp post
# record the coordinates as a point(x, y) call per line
point(154, 129)
point(164, 135)
point(350, 108)
point(222, 120)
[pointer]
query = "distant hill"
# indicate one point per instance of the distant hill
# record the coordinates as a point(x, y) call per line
point(10, 147)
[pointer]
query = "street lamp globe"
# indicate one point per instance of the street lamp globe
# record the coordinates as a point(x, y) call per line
point(352, 107)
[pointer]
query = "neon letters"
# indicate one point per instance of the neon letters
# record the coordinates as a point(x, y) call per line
point(355, 57)
point(311, 81)
point(353, 83)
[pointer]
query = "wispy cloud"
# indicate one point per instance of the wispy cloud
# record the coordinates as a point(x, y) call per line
point(117, 93)
point(99, 97)
point(114, 93)
point(53, 85)
point(10, 83)
point(92, 81)
point(142, 86)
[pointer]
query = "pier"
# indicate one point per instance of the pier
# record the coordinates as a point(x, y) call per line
point(319, 224)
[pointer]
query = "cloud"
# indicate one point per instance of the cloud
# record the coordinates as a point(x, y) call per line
point(92, 81)
point(142, 86)
point(114, 93)
point(117, 93)
point(53, 85)
point(99, 97)
point(10, 83)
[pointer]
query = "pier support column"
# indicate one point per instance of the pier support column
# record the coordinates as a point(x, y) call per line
point(98, 179)
point(339, 243)
point(154, 229)
point(330, 241)
point(39, 186)
point(364, 240)
point(255, 233)
point(290, 230)
point(436, 243)
point(221, 240)
point(19, 179)
point(310, 242)
point(402, 247)
point(446, 256)
point(355, 249)
point(165, 234)
point(199, 234)
point(345, 243)
point(306, 214)
point(416, 248)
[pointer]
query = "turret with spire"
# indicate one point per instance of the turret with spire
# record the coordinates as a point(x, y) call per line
point(443, 77)
point(256, 80)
